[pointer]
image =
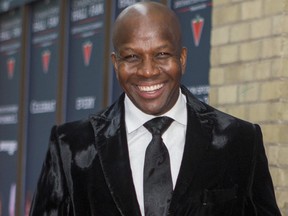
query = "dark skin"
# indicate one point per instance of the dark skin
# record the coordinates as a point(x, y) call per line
point(149, 59)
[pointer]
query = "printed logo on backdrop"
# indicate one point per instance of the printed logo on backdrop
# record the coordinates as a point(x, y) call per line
point(10, 67)
point(42, 22)
point(46, 60)
point(84, 103)
point(87, 50)
point(197, 27)
point(191, 5)
point(8, 114)
point(9, 146)
point(45, 106)
point(88, 11)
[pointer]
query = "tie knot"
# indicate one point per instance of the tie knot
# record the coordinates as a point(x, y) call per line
point(158, 125)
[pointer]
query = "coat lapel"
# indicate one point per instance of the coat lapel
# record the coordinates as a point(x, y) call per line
point(196, 144)
point(114, 158)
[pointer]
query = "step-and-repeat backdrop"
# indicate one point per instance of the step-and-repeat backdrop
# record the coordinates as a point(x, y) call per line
point(66, 56)
point(10, 62)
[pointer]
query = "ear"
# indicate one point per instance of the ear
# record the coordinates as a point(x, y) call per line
point(183, 59)
point(114, 62)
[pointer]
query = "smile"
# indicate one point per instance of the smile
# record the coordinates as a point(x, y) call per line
point(150, 88)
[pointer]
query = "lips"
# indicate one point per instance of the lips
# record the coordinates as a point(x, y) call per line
point(151, 88)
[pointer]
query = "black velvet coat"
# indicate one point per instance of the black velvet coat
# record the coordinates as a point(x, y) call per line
point(224, 170)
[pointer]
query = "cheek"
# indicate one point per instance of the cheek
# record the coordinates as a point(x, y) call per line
point(123, 73)
point(173, 70)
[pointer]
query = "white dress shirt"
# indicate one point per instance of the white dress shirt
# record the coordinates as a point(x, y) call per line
point(138, 138)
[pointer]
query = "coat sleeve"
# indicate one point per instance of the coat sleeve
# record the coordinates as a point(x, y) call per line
point(262, 187)
point(51, 195)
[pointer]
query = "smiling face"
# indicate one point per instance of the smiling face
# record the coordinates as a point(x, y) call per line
point(148, 58)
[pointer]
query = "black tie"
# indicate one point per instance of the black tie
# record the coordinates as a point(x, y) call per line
point(158, 186)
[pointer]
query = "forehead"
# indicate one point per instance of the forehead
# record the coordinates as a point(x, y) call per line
point(147, 29)
point(146, 22)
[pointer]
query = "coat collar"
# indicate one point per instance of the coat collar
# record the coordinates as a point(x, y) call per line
point(111, 143)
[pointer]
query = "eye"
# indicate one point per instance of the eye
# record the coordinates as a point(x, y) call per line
point(131, 58)
point(162, 55)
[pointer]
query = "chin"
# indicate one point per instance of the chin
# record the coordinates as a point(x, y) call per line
point(154, 112)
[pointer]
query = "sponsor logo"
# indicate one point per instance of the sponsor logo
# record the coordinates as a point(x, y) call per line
point(9, 146)
point(84, 103)
point(197, 27)
point(87, 50)
point(38, 107)
point(8, 114)
point(46, 60)
point(10, 67)
point(189, 6)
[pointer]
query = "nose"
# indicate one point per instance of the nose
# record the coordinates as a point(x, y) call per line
point(148, 67)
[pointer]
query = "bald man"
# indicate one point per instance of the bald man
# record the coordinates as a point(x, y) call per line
point(217, 163)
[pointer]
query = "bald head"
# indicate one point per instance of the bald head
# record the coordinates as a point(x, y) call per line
point(143, 15)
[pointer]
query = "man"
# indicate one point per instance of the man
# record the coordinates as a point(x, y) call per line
point(97, 167)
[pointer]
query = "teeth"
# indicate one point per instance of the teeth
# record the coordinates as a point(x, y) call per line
point(150, 88)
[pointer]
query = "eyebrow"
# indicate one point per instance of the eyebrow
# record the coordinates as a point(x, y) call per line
point(164, 46)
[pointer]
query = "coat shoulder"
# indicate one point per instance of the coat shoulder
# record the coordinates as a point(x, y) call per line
point(219, 124)
point(231, 127)
point(77, 133)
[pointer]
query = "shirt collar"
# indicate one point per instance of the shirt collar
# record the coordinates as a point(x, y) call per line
point(135, 118)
